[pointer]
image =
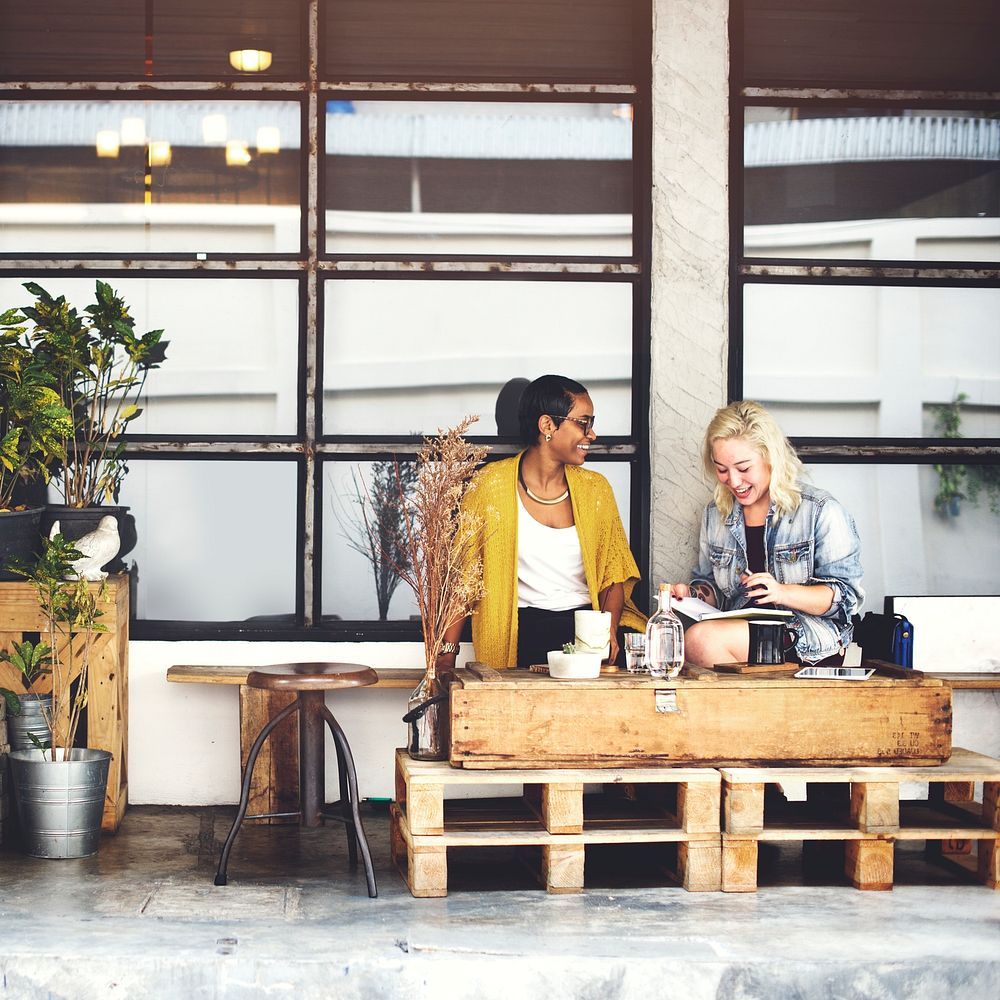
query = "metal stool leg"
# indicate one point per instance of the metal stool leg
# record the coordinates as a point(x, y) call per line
point(312, 771)
point(220, 875)
point(345, 811)
point(344, 752)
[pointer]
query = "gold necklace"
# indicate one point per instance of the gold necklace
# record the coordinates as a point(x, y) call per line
point(535, 497)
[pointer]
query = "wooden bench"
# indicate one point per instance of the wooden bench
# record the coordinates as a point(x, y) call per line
point(276, 777)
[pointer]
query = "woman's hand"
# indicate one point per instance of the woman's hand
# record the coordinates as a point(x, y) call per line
point(613, 654)
point(678, 591)
point(811, 598)
point(762, 588)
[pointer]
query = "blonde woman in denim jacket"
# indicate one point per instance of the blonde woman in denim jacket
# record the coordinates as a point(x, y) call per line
point(770, 540)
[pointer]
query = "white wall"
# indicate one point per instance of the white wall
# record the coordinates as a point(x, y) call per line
point(184, 739)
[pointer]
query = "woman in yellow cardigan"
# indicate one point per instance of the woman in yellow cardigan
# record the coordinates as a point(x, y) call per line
point(553, 538)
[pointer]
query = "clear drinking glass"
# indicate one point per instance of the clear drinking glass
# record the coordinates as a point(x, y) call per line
point(635, 652)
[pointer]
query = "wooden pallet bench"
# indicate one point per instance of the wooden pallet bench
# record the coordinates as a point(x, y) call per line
point(862, 808)
point(655, 805)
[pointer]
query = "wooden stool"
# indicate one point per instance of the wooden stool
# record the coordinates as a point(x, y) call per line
point(310, 681)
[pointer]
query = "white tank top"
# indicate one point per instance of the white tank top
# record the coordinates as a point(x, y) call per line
point(549, 565)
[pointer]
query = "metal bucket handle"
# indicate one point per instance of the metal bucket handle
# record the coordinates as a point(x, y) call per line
point(417, 712)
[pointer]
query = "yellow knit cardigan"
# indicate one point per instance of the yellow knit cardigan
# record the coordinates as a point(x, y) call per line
point(607, 558)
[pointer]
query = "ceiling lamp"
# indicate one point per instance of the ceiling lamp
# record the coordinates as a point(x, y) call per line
point(160, 153)
point(268, 139)
point(133, 132)
point(214, 129)
point(250, 60)
point(108, 142)
point(237, 153)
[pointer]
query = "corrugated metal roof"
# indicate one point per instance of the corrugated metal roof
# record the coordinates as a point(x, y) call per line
point(76, 123)
point(844, 140)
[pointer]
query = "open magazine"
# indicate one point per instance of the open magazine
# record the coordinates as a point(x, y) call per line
point(700, 611)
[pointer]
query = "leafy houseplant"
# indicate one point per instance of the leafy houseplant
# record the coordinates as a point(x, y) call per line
point(442, 566)
point(59, 788)
point(34, 426)
point(100, 367)
point(962, 482)
point(68, 608)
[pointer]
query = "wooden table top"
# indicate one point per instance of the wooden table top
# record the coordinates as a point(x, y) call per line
point(407, 677)
point(206, 673)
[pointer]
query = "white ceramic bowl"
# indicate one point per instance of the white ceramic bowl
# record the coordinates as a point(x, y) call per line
point(574, 666)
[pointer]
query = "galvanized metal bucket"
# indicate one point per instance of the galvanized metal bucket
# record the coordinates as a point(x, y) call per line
point(60, 802)
point(31, 721)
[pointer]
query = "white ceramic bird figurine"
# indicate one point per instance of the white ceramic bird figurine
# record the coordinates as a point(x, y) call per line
point(96, 548)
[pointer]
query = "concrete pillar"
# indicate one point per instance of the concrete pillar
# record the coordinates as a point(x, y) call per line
point(689, 266)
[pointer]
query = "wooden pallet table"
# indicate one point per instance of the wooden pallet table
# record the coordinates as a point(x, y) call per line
point(868, 817)
point(555, 815)
point(516, 719)
point(107, 678)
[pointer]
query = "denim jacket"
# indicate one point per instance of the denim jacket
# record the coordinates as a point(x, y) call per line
point(817, 544)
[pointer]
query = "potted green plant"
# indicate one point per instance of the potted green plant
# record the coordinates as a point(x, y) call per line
point(34, 426)
point(100, 365)
point(59, 788)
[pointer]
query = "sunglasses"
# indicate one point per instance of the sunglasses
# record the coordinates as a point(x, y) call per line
point(587, 423)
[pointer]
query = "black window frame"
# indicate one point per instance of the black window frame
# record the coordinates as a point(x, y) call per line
point(310, 447)
point(747, 270)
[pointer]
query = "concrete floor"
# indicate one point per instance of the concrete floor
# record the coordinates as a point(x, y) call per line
point(142, 919)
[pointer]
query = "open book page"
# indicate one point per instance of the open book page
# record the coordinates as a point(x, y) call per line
point(698, 610)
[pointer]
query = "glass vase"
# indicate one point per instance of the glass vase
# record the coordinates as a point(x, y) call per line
point(429, 719)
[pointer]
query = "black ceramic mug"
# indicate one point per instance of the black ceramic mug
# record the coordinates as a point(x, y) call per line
point(767, 642)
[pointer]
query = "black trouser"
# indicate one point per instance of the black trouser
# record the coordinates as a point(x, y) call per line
point(539, 631)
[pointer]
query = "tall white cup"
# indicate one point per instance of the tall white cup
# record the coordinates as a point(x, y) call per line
point(593, 632)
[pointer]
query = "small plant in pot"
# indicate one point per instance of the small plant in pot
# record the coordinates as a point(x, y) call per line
point(59, 788)
point(100, 366)
point(34, 426)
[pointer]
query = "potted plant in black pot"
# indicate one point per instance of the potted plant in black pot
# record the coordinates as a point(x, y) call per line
point(34, 426)
point(100, 366)
point(59, 788)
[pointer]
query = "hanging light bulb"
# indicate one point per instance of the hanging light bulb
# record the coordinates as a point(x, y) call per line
point(237, 153)
point(250, 60)
point(108, 142)
point(133, 131)
point(160, 153)
point(269, 139)
point(214, 129)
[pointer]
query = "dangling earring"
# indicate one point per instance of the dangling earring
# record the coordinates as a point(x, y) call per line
point(548, 437)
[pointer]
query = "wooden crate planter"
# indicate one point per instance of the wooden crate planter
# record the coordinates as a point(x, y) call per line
point(553, 814)
point(107, 682)
point(870, 820)
point(520, 719)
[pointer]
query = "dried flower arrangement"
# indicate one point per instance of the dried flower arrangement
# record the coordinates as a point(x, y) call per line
point(443, 565)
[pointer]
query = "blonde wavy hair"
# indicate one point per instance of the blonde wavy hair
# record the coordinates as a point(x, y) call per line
point(750, 421)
